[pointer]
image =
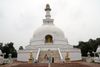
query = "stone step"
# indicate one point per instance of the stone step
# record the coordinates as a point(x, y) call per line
point(53, 53)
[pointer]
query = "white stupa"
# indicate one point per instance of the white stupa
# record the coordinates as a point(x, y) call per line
point(49, 40)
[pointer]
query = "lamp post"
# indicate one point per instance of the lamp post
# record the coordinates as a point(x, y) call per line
point(4, 55)
point(89, 57)
point(94, 56)
point(9, 56)
point(88, 54)
point(10, 59)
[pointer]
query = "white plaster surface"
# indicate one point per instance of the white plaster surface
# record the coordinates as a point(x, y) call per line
point(58, 37)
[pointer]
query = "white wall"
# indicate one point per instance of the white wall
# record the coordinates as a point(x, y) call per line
point(75, 56)
point(23, 56)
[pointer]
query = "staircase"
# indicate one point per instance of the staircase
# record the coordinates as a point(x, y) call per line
point(49, 53)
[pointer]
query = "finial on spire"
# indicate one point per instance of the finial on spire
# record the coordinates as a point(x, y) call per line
point(48, 19)
point(47, 8)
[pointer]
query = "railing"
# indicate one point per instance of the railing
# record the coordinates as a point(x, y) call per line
point(38, 54)
point(61, 57)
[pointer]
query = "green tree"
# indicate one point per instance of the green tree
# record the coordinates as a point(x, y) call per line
point(98, 41)
point(1, 45)
point(9, 49)
point(21, 48)
point(89, 46)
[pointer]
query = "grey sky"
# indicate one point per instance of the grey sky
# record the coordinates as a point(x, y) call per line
point(79, 19)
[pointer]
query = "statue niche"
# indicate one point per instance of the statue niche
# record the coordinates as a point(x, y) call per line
point(48, 39)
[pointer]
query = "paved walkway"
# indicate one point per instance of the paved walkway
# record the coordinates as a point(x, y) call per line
point(90, 64)
point(68, 65)
point(32, 65)
point(71, 64)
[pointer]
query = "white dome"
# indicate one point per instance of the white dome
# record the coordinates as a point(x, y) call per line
point(48, 32)
point(44, 30)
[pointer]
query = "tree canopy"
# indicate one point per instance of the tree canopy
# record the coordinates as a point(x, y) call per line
point(8, 49)
point(21, 48)
point(89, 46)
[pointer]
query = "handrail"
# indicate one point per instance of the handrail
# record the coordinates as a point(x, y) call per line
point(37, 54)
point(61, 57)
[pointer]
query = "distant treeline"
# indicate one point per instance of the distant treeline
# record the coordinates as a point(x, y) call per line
point(89, 46)
point(8, 49)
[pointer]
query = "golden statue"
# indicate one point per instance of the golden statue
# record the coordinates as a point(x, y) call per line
point(67, 59)
point(48, 39)
point(31, 58)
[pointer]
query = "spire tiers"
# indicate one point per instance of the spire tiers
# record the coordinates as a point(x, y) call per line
point(48, 19)
point(48, 9)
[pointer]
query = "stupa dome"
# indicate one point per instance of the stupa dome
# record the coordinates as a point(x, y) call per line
point(52, 30)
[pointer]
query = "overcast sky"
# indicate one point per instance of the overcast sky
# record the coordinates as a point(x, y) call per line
point(79, 19)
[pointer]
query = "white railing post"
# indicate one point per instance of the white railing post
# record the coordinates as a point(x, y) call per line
point(38, 54)
point(61, 57)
